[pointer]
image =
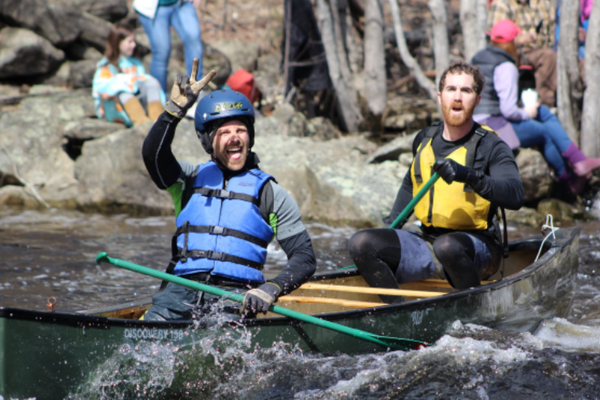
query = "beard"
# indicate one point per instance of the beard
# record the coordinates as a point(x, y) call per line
point(455, 120)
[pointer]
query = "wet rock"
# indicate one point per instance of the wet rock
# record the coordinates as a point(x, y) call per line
point(25, 54)
point(525, 216)
point(561, 212)
point(535, 174)
point(393, 149)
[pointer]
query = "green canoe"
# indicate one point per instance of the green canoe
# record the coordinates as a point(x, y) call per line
point(50, 355)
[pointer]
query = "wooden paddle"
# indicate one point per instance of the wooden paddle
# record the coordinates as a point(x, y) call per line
point(384, 341)
point(369, 290)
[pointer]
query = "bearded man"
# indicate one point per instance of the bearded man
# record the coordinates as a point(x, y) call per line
point(458, 237)
point(227, 210)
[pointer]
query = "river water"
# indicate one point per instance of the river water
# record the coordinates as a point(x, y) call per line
point(52, 253)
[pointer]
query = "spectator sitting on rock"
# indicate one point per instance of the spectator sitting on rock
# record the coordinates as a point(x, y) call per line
point(534, 125)
point(122, 89)
point(535, 18)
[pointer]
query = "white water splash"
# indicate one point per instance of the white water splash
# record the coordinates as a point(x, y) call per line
point(560, 333)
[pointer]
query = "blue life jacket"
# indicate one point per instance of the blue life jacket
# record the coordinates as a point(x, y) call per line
point(222, 231)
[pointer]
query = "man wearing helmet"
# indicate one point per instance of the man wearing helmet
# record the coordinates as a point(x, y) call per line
point(227, 209)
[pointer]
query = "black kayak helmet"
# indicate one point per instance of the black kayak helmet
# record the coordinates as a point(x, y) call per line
point(219, 107)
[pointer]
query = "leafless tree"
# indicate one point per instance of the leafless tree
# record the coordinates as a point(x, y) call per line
point(337, 61)
point(473, 21)
point(405, 55)
point(569, 83)
point(440, 37)
point(590, 140)
point(375, 84)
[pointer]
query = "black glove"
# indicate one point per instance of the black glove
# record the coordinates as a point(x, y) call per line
point(451, 171)
point(260, 299)
point(185, 91)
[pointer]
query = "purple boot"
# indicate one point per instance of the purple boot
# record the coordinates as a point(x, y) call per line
point(573, 181)
point(582, 165)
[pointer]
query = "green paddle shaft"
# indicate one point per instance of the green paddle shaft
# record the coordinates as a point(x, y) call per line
point(413, 203)
point(380, 340)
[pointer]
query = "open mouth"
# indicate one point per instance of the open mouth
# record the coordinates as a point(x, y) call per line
point(234, 153)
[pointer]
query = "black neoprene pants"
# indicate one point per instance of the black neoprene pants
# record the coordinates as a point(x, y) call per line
point(377, 252)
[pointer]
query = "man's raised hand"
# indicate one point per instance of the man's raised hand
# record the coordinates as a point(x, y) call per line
point(185, 91)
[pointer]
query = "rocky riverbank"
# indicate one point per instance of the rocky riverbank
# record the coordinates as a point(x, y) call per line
point(54, 152)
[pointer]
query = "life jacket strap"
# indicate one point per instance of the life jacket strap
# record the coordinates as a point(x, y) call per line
point(429, 134)
point(218, 256)
point(220, 230)
point(226, 194)
point(471, 147)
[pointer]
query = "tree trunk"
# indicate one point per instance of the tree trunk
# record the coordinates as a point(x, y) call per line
point(482, 16)
point(569, 83)
point(590, 140)
point(405, 55)
point(470, 23)
point(374, 70)
point(337, 61)
point(440, 38)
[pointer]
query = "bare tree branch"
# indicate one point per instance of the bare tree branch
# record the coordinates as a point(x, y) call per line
point(405, 55)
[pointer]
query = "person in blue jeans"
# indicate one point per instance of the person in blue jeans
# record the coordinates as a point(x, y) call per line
point(157, 17)
point(534, 125)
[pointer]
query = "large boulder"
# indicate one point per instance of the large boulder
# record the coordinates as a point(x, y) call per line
point(32, 145)
point(109, 10)
point(52, 20)
point(535, 174)
point(25, 54)
point(112, 176)
point(63, 21)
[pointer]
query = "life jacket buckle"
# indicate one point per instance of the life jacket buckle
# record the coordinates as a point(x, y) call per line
point(216, 230)
point(214, 255)
point(223, 194)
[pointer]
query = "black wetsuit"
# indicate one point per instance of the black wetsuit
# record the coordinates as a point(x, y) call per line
point(377, 252)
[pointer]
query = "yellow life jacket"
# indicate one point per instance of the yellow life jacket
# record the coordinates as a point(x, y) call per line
point(453, 206)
